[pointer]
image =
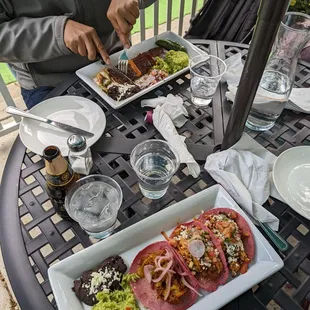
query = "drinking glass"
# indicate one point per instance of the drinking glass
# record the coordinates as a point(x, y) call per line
point(155, 162)
point(93, 202)
point(206, 73)
point(278, 78)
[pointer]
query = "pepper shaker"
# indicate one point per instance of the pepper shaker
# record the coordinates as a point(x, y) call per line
point(80, 157)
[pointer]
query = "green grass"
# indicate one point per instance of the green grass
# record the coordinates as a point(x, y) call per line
point(149, 23)
point(163, 4)
point(6, 74)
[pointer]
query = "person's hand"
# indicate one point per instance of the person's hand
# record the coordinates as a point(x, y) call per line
point(84, 40)
point(123, 15)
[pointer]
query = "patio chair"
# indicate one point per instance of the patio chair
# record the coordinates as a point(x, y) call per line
point(225, 20)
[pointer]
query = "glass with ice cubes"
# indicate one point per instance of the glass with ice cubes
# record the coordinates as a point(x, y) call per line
point(206, 73)
point(93, 202)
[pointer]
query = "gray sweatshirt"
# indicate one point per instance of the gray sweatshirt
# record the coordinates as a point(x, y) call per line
point(32, 37)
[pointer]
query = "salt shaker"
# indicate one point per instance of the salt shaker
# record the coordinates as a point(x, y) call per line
point(80, 157)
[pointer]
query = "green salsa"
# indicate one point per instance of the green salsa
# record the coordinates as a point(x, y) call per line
point(174, 61)
point(118, 300)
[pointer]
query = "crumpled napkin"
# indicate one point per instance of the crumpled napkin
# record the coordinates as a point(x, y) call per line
point(172, 105)
point(165, 126)
point(299, 99)
point(244, 171)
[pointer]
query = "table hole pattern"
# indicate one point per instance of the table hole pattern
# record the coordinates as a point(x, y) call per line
point(273, 306)
point(49, 239)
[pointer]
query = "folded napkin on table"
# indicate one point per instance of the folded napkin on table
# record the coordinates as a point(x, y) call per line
point(165, 126)
point(299, 99)
point(244, 171)
point(172, 105)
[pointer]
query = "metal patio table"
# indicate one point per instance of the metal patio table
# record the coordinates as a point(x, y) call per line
point(33, 237)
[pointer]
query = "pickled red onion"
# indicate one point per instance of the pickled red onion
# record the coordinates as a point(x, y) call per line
point(161, 269)
point(147, 272)
point(169, 265)
point(181, 273)
point(168, 286)
point(190, 287)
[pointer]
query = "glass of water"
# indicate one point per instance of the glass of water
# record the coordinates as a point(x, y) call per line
point(155, 162)
point(93, 202)
point(206, 73)
point(279, 76)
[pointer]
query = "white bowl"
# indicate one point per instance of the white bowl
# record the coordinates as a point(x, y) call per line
point(291, 176)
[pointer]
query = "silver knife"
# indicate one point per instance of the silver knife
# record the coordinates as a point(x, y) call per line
point(65, 127)
point(277, 240)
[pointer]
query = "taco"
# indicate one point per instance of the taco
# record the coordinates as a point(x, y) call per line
point(235, 237)
point(202, 254)
point(164, 283)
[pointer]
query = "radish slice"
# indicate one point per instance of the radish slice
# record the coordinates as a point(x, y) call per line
point(168, 286)
point(147, 272)
point(190, 287)
point(197, 248)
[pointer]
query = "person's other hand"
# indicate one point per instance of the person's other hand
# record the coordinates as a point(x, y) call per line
point(84, 40)
point(123, 15)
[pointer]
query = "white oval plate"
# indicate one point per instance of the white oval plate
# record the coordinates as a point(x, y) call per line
point(72, 110)
point(291, 175)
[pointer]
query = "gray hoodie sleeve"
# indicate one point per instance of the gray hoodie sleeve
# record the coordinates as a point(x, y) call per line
point(26, 40)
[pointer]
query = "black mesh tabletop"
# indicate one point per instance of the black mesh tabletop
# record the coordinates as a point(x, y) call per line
point(34, 237)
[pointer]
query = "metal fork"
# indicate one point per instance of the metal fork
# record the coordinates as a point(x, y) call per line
point(123, 61)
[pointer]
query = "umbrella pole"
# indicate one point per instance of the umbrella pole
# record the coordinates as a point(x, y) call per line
point(271, 13)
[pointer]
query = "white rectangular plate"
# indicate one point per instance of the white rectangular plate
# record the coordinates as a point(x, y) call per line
point(89, 72)
point(128, 242)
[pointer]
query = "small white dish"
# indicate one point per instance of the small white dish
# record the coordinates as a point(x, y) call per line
point(72, 110)
point(128, 242)
point(291, 176)
point(88, 73)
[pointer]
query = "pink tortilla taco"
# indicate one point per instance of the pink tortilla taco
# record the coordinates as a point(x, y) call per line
point(201, 253)
point(235, 236)
point(164, 283)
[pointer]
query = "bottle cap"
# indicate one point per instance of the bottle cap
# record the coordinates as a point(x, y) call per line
point(76, 143)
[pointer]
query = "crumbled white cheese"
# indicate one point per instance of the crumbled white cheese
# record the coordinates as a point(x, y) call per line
point(100, 278)
point(232, 259)
point(218, 234)
point(231, 249)
point(205, 263)
point(184, 234)
point(219, 217)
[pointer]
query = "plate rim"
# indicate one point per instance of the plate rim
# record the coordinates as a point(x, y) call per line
point(275, 166)
point(276, 264)
point(21, 135)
